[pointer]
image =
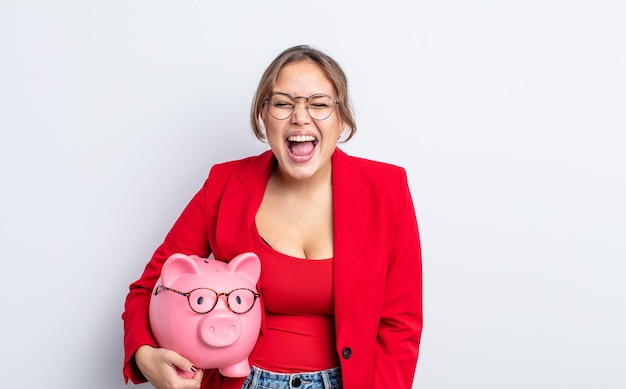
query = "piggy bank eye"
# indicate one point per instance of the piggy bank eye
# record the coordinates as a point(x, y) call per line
point(202, 300)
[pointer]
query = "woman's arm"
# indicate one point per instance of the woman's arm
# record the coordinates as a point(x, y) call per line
point(400, 325)
point(187, 236)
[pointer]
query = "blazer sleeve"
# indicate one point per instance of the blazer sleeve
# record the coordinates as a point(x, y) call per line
point(188, 236)
point(400, 325)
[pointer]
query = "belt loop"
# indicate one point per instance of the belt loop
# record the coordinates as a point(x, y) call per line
point(325, 379)
point(256, 377)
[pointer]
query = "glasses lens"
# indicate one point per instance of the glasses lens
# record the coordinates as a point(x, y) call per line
point(202, 300)
point(281, 106)
point(241, 300)
point(320, 106)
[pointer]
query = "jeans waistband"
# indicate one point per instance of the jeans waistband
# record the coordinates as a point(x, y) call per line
point(330, 378)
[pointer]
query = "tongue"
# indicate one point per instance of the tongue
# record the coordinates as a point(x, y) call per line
point(301, 148)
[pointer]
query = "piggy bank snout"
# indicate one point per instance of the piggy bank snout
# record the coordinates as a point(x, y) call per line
point(220, 329)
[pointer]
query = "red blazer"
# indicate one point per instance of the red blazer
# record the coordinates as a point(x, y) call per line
point(377, 259)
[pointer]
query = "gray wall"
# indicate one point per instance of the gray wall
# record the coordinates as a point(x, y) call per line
point(509, 117)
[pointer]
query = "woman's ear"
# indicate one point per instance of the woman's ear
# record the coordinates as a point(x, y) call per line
point(342, 128)
point(261, 121)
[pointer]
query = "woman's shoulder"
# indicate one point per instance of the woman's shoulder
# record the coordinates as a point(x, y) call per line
point(236, 165)
point(374, 169)
point(384, 180)
point(371, 164)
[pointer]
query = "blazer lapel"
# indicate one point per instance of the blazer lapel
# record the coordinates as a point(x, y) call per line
point(240, 201)
point(350, 207)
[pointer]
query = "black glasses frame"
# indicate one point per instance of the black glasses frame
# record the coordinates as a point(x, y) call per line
point(217, 297)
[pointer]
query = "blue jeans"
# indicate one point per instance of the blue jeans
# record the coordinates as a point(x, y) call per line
point(323, 379)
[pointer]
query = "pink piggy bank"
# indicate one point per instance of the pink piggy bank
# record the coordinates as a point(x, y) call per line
point(206, 310)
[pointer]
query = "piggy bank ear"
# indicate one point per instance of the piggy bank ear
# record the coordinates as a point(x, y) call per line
point(177, 265)
point(247, 264)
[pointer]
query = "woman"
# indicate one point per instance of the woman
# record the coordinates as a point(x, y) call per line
point(338, 242)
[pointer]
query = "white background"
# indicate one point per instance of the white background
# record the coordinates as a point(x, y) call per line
point(509, 116)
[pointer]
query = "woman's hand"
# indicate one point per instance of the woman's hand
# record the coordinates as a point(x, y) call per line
point(162, 368)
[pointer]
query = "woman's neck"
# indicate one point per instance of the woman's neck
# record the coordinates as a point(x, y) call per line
point(321, 180)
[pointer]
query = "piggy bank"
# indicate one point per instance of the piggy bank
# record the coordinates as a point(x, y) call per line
point(207, 311)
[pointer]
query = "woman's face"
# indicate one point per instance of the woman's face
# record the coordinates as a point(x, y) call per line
point(302, 145)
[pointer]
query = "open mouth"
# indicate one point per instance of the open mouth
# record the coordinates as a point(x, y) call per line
point(301, 145)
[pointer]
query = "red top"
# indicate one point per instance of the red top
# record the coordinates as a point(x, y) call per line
point(299, 313)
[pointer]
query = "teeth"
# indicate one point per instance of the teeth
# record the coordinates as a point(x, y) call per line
point(301, 138)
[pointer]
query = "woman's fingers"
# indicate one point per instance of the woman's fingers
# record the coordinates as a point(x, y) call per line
point(167, 369)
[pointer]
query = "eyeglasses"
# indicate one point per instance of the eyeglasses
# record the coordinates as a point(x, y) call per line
point(281, 105)
point(203, 300)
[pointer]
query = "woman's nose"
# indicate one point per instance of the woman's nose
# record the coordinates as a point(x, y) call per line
point(300, 112)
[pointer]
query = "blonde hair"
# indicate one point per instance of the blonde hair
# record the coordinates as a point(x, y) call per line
point(329, 66)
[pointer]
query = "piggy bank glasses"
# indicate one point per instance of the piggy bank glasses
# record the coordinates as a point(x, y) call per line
point(203, 300)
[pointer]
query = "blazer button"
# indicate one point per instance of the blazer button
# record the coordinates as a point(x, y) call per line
point(346, 353)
